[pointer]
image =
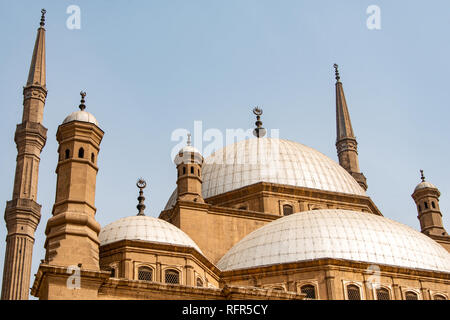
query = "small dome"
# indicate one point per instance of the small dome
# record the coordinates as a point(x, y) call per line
point(188, 154)
point(337, 234)
point(146, 229)
point(81, 115)
point(423, 185)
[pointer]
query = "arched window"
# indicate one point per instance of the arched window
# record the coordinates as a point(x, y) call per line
point(287, 210)
point(184, 170)
point(420, 208)
point(192, 170)
point(145, 273)
point(411, 295)
point(353, 292)
point(172, 276)
point(67, 153)
point(433, 205)
point(425, 204)
point(199, 282)
point(113, 272)
point(92, 157)
point(309, 290)
point(439, 297)
point(81, 153)
point(199, 172)
point(383, 294)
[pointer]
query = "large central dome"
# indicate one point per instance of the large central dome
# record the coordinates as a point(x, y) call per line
point(272, 160)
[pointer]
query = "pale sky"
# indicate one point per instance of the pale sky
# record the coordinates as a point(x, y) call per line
point(151, 67)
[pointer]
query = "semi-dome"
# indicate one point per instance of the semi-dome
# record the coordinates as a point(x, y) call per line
point(272, 160)
point(337, 234)
point(81, 115)
point(146, 229)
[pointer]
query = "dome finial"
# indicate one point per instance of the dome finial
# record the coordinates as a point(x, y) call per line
point(259, 131)
point(422, 176)
point(336, 72)
point(82, 106)
point(141, 184)
point(43, 11)
point(189, 139)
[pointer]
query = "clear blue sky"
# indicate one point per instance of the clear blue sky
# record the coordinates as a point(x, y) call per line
point(150, 67)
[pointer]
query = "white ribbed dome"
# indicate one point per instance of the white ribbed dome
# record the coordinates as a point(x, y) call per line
point(147, 229)
point(272, 160)
point(338, 234)
point(81, 115)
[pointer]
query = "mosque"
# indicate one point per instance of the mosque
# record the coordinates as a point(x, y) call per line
point(262, 218)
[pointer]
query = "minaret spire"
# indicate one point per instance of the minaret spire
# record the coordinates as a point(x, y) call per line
point(346, 143)
point(36, 75)
point(23, 213)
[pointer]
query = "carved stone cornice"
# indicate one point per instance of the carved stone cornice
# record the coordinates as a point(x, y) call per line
point(35, 92)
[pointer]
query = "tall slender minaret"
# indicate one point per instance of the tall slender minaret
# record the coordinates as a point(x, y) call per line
point(346, 144)
point(22, 213)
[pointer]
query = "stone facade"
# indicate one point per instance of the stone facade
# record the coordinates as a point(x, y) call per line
point(139, 265)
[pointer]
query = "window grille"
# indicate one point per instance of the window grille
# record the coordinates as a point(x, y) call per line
point(353, 292)
point(172, 276)
point(383, 294)
point(410, 295)
point(287, 210)
point(309, 290)
point(145, 273)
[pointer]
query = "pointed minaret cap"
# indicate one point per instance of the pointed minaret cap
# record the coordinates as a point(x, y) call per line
point(343, 123)
point(141, 184)
point(36, 74)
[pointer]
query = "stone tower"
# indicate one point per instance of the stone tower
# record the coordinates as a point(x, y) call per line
point(426, 196)
point(189, 163)
point(346, 145)
point(72, 232)
point(23, 213)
